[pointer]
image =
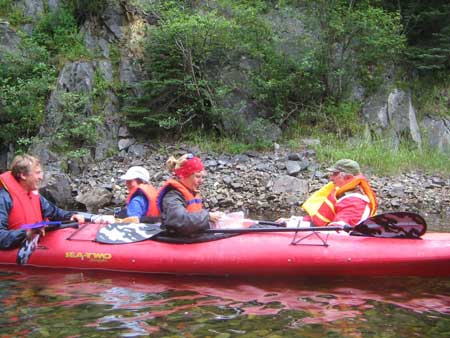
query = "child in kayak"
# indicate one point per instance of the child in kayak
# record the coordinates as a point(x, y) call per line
point(141, 199)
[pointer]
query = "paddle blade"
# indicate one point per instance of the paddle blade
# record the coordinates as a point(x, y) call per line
point(123, 233)
point(26, 249)
point(392, 225)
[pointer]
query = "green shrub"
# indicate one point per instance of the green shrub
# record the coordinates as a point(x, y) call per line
point(356, 41)
point(25, 81)
point(58, 32)
point(76, 130)
point(12, 13)
point(178, 55)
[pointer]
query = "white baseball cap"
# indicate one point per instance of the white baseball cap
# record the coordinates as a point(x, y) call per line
point(136, 172)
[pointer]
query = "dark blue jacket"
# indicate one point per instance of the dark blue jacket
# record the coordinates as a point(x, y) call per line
point(13, 238)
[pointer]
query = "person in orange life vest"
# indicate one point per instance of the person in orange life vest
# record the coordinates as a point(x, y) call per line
point(21, 203)
point(346, 199)
point(351, 199)
point(141, 199)
point(179, 200)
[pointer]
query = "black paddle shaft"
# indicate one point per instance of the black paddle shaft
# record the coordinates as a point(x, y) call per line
point(346, 228)
point(392, 225)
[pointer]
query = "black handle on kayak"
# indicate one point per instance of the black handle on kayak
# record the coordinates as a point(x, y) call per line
point(63, 225)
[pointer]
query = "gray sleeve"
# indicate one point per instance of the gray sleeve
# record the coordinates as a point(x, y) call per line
point(176, 219)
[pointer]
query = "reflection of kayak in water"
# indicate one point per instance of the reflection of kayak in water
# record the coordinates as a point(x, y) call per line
point(331, 298)
point(306, 253)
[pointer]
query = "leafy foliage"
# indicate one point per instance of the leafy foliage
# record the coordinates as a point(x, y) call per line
point(84, 9)
point(179, 53)
point(427, 27)
point(191, 44)
point(57, 31)
point(357, 41)
point(25, 79)
point(10, 11)
point(77, 130)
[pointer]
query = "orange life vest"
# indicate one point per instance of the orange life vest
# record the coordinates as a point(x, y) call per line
point(26, 207)
point(194, 203)
point(151, 193)
point(320, 206)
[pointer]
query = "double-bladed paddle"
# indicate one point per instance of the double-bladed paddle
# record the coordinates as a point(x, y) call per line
point(29, 245)
point(388, 225)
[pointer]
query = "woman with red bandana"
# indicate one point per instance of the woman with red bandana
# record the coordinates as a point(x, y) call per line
point(179, 200)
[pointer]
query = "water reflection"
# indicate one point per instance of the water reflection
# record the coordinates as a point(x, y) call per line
point(37, 303)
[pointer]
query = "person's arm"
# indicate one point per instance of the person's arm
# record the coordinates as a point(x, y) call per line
point(138, 206)
point(175, 216)
point(51, 211)
point(9, 239)
point(54, 213)
point(351, 211)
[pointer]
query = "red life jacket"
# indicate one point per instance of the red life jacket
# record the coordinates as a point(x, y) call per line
point(151, 193)
point(26, 207)
point(323, 212)
point(194, 202)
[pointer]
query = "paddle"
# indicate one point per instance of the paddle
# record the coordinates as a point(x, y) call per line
point(29, 245)
point(389, 225)
point(130, 232)
point(123, 233)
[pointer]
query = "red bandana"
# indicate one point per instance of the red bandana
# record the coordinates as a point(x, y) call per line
point(189, 167)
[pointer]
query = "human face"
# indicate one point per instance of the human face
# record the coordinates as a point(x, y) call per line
point(193, 181)
point(33, 179)
point(131, 184)
point(339, 178)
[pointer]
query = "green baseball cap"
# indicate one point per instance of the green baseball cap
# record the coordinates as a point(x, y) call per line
point(346, 166)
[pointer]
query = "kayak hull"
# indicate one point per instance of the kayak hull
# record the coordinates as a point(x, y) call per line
point(256, 254)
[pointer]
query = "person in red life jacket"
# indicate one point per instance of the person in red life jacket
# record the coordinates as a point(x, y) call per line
point(21, 203)
point(179, 201)
point(141, 199)
point(347, 199)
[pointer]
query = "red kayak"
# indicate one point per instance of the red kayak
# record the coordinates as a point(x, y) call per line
point(308, 253)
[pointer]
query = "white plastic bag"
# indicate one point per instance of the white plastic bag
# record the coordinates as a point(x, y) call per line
point(233, 220)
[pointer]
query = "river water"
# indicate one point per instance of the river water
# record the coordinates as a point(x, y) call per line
point(37, 303)
point(49, 303)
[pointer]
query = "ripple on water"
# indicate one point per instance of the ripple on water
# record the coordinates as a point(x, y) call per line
point(62, 304)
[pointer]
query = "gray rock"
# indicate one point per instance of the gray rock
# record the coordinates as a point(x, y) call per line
point(95, 199)
point(293, 167)
point(288, 184)
point(437, 132)
point(57, 189)
point(125, 143)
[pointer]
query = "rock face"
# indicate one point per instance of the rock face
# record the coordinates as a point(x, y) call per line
point(256, 182)
point(393, 113)
point(437, 132)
